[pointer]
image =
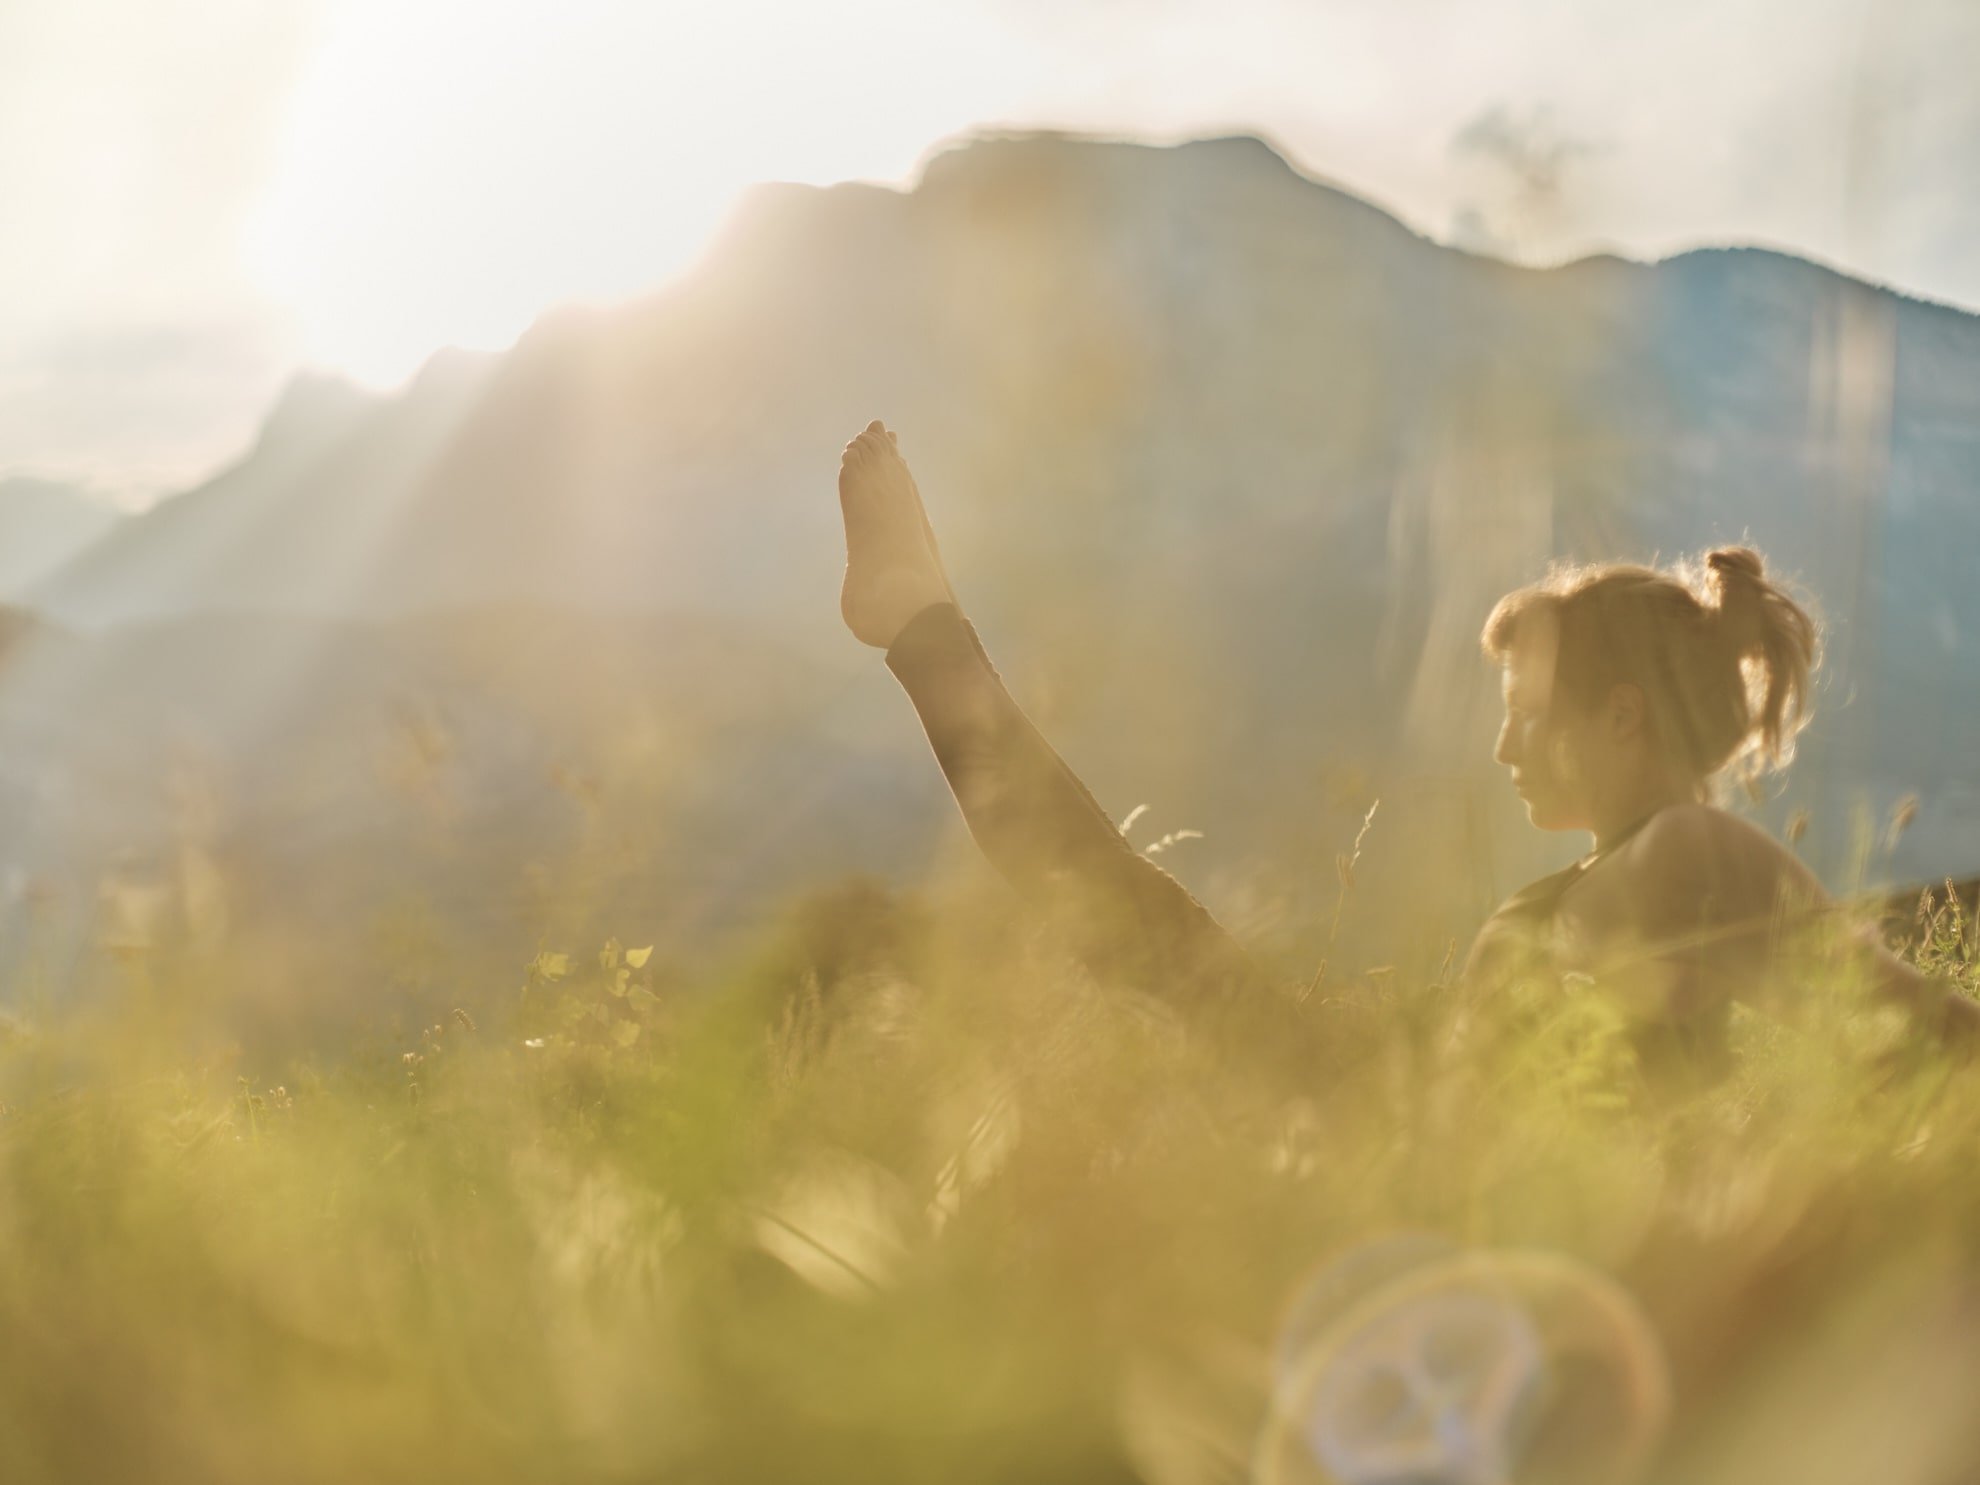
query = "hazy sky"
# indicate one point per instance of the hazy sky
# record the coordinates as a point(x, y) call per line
point(197, 197)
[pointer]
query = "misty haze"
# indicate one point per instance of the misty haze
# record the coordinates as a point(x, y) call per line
point(868, 744)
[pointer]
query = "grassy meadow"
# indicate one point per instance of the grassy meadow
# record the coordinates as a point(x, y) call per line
point(897, 1193)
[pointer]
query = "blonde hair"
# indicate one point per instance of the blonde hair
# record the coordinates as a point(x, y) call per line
point(1722, 655)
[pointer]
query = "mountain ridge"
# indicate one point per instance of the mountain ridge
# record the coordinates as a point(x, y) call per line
point(1228, 466)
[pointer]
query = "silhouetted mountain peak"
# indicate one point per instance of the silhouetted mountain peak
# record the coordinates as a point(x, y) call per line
point(988, 154)
point(999, 169)
point(451, 370)
point(314, 409)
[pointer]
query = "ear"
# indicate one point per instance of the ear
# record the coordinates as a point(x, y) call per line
point(1627, 715)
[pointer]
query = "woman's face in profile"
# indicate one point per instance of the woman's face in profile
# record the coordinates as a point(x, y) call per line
point(1539, 742)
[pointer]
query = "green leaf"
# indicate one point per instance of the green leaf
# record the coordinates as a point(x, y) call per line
point(626, 1033)
point(551, 966)
point(637, 957)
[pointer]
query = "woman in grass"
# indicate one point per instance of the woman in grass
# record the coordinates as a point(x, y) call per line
point(1628, 693)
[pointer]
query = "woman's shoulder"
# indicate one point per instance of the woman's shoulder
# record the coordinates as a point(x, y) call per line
point(1690, 849)
point(1682, 830)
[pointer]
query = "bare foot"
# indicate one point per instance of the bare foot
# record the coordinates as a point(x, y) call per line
point(893, 569)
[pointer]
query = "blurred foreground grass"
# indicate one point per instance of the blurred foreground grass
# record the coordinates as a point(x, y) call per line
point(899, 1195)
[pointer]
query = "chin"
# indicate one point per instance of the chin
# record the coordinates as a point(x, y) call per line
point(1544, 814)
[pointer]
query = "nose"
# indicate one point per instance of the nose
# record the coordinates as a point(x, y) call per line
point(1506, 750)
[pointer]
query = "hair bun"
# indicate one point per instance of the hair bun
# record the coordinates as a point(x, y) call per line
point(1736, 562)
point(1738, 576)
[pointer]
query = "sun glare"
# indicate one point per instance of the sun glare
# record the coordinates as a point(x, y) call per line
point(453, 168)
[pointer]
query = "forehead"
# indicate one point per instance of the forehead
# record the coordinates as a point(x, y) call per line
point(1528, 676)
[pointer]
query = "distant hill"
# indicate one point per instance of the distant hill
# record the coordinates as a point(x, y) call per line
point(288, 523)
point(43, 524)
point(1228, 464)
point(359, 810)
